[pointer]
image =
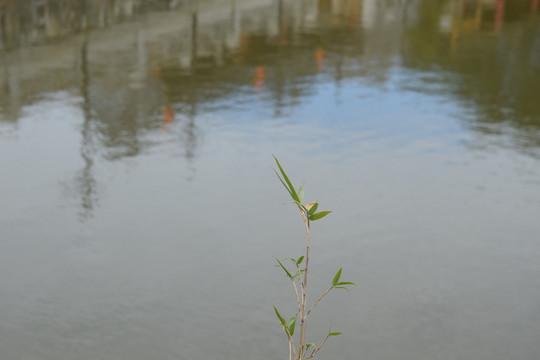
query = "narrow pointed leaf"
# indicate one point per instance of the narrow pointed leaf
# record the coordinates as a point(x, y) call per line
point(284, 268)
point(281, 319)
point(319, 215)
point(293, 193)
point(300, 259)
point(286, 187)
point(341, 287)
point(336, 278)
point(311, 344)
point(312, 208)
point(291, 323)
point(301, 190)
point(334, 334)
point(346, 283)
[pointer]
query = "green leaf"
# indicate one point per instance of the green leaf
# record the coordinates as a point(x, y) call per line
point(286, 187)
point(290, 324)
point(341, 287)
point(299, 274)
point(301, 192)
point(336, 278)
point(300, 259)
point(346, 283)
point(313, 208)
point(310, 344)
point(334, 334)
point(281, 319)
point(293, 193)
point(284, 268)
point(319, 215)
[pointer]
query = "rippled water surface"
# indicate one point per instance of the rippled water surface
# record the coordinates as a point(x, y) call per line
point(140, 215)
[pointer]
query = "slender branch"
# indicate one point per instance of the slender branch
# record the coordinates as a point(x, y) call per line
point(291, 343)
point(290, 350)
point(297, 297)
point(306, 222)
point(318, 348)
point(302, 289)
point(303, 329)
point(319, 299)
point(299, 278)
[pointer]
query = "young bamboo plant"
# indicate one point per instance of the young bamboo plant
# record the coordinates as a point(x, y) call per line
point(300, 349)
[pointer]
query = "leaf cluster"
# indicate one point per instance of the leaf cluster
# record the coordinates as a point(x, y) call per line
point(340, 284)
point(298, 196)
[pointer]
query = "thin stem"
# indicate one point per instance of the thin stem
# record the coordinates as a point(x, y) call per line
point(302, 291)
point(299, 279)
point(290, 350)
point(291, 344)
point(318, 348)
point(319, 299)
point(297, 297)
point(303, 329)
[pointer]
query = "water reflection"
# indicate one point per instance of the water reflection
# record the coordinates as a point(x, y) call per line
point(149, 113)
point(167, 67)
point(137, 78)
point(145, 69)
point(491, 69)
point(282, 42)
point(85, 179)
point(36, 21)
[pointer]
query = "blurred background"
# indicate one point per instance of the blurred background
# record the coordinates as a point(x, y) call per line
point(140, 216)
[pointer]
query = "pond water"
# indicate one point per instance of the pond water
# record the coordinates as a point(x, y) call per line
point(140, 215)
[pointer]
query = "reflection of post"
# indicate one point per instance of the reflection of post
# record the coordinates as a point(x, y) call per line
point(12, 77)
point(324, 7)
point(168, 114)
point(353, 12)
point(191, 138)
point(234, 30)
point(141, 51)
point(138, 76)
point(2, 28)
point(258, 79)
point(499, 14)
point(86, 182)
point(478, 15)
point(319, 56)
point(280, 15)
point(457, 18)
point(190, 133)
point(194, 40)
point(534, 5)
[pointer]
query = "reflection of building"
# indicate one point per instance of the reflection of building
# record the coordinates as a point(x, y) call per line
point(166, 43)
point(33, 21)
point(491, 67)
point(126, 73)
point(201, 52)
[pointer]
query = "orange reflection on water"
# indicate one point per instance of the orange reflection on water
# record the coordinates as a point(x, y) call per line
point(319, 55)
point(258, 79)
point(499, 14)
point(168, 114)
